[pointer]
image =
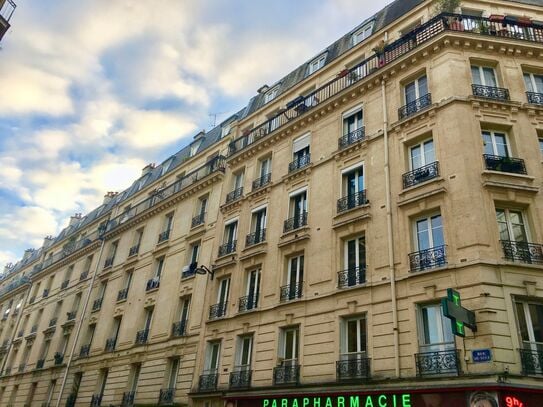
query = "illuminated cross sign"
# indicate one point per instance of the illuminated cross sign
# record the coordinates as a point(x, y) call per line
point(459, 316)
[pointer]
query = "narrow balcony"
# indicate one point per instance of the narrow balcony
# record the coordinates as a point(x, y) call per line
point(490, 92)
point(523, 252)
point(179, 328)
point(420, 175)
point(262, 181)
point(198, 220)
point(504, 164)
point(96, 400)
point(40, 363)
point(208, 381)
point(295, 222)
point(415, 106)
point(64, 284)
point(142, 336)
point(428, 259)
point(351, 277)
point(162, 237)
point(52, 322)
point(83, 275)
point(84, 351)
point(446, 362)
point(291, 292)
point(122, 294)
point(97, 304)
point(134, 250)
point(299, 163)
point(535, 98)
point(165, 396)
point(152, 284)
point(217, 311)
point(110, 345)
point(254, 238)
point(248, 303)
point(240, 378)
point(286, 374)
point(234, 195)
point(109, 262)
point(532, 361)
point(351, 138)
point(45, 293)
point(128, 399)
point(227, 248)
point(351, 201)
point(59, 358)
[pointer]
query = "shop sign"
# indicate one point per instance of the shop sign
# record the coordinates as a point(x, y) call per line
point(373, 400)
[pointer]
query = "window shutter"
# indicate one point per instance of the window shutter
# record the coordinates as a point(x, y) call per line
point(301, 142)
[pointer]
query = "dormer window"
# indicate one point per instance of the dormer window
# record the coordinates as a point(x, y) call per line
point(194, 147)
point(271, 94)
point(316, 64)
point(166, 166)
point(361, 34)
point(225, 130)
point(141, 182)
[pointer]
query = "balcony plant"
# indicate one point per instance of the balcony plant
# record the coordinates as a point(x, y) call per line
point(446, 6)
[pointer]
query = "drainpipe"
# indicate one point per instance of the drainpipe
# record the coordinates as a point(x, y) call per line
point(390, 238)
point(78, 330)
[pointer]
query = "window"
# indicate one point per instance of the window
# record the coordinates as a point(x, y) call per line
point(172, 373)
point(252, 291)
point(421, 154)
point(211, 365)
point(353, 122)
point(135, 370)
point(225, 130)
point(289, 344)
point(430, 244)
point(511, 225)
point(194, 147)
point(353, 183)
point(361, 34)
point(168, 221)
point(530, 320)
point(534, 82)
point(158, 269)
point(148, 321)
point(271, 94)
point(495, 143)
point(484, 76)
point(238, 180)
point(258, 227)
point(316, 64)
point(224, 289)
point(102, 380)
point(230, 232)
point(541, 145)
point(75, 386)
point(435, 330)
point(416, 89)
point(138, 236)
point(165, 166)
point(353, 338)
point(194, 251)
point(185, 308)
point(265, 167)
point(354, 262)
point(243, 354)
point(294, 279)
point(116, 328)
point(202, 205)
point(301, 150)
point(90, 334)
point(297, 211)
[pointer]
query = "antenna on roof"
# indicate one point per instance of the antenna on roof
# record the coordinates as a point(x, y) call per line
point(214, 116)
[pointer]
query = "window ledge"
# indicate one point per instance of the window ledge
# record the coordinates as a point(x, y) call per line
point(254, 250)
point(294, 236)
point(422, 195)
point(356, 214)
point(408, 190)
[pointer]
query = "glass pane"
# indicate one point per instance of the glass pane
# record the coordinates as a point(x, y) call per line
point(430, 319)
point(410, 93)
point(475, 75)
point(362, 334)
point(351, 183)
point(351, 254)
point(523, 326)
point(423, 86)
point(536, 314)
point(416, 159)
point(361, 252)
point(437, 231)
point(423, 237)
point(528, 83)
point(429, 155)
point(487, 139)
point(490, 77)
point(352, 336)
point(214, 363)
point(501, 145)
point(246, 351)
point(538, 79)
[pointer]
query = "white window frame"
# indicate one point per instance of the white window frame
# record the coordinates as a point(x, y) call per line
point(441, 328)
point(194, 147)
point(271, 94)
point(295, 346)
point(240, 366)
point(417, 88)
point(492, 134)
point(316, 64)
point(532, 81)
point(165, 166)
point(344, 177)
point(211, 346)
point(265, 164)
point(357, 240)
point(227, 226)
point(423, 155)
point(297, 271)
point(510, 225)
point(532, 344)
point(482, 75)
point(366, 30)
point(292, 197)
point(428, 218)
point(225, 129)
point(223, 291)
point(256, 290)
point(344, 333)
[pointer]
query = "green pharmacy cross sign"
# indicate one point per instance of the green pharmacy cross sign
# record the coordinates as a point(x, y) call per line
point(460, 317)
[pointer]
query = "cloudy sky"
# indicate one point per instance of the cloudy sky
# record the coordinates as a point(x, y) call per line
point(93, 90)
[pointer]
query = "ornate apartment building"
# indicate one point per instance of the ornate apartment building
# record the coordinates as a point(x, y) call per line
point(297, 254)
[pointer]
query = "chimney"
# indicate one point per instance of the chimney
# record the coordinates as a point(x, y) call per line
point(109, 196)
point(28, 253)
point(47, 241)
point(147, 169)
point(74, 219)
point(200, 135)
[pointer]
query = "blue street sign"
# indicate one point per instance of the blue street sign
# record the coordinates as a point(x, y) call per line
point(481, 355)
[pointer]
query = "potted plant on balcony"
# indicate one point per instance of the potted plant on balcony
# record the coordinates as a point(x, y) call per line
point(446, 6)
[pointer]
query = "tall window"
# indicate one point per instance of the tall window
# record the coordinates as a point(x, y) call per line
point(297, 211)
point(289, 346)
point(353, 122)
point(421, 154)
point(301, 152)
point(495, 143)
point(252, 291)
point(511, 225)
point(238, 180)
point(530, 321)
point(202, 205)
point(484, 76)
point(211, 365)
point(316, 64)
point(294, 279)
point(135, 370)
point(258, 227)
point(185, 308)
point(265, 167)
point(168, 222)
point(534, 83)
point(172, 373)
point(194, 252)
point(244, 351)
point(102, 380)
point(429, 232)
point(148, 318)
point(353, 338)
point(218, 310)
point(354, 261)
point(416, 89)
point(158, 268)
point(230, 232)
point(435, 330)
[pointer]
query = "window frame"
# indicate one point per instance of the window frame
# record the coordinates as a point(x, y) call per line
point(428, 217)
point(509, 224)
point(415, 82)
point(362, 30)
point(492, 134)
point(421, 145)
point(482, 78)
point(441, 346)
point(344, 337)
point(316, 64)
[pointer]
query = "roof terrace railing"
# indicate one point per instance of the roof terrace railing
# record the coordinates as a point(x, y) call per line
point(506, 28)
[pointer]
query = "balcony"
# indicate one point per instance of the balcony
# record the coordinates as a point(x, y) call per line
point(428, 259)
point(142, 336)
point(415, 106)
point(287, 374)
point(217, 311)
point(351, 277)
point(523, 252)
point(122, 294)
point(64, 284)
point(248, 303)
point(198, 220)
point(535, 98)
point(6, 11)
point(166, 396)
point(152, 284)
point(445, 362)
point(351, 138)
point(97, 304)
point(254, 238)
point(52, 322)
point(299, 163)
point(504, 164)
point(490, 92)
point(84, 351)
point(240, 378)
point(208, 382)
point(295, 222)
point(291, 292)
point(128, 399)
point(351, 201)
point(262, 181)
point(420, 175)
point(532, 361)
point(96, 400)
point(45, 293)
point(40, 363)
point(70, 316)
point(227, 248)
point(179, 328)
point(234, 195)
point(59, 358)
point(162, 237)
point(83, 275)
point(134, 250)
point(109, 262)
point(110, 345)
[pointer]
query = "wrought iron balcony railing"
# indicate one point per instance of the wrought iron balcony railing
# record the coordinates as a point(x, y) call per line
point(286, 374)
point(110, 344)
point(248, 303)
point(532, 361)
point(504, 164)
point(83, 275)
point(535, 98)
point(142, 336)
point(134, 250)
point(122, 294)
point(96, 400)
point(227, 248)
point(64, 284)
point(262, 181)
point(97, 304)
point(523, 252)
point(351, 138)
point(109, 262)
point(351, 277)
point(351, 201)
point(163, 236)
point(40, 363)
point(240, 378)
point(208, 381)
point(428, 259)
point(234, 195)
point(299, 163)
point(291, 292)
point(84, 351)
point(166, 396)
point(70, 316)
point(128, 399)
point(59, 358)
point(421, 174)
point(415, 106)
point(295, 222)
point(490, 92)
point(179, 328)
point(254, 238)
point(217, 310)
point(445, 362)
point(152, 284)
point(198, 220)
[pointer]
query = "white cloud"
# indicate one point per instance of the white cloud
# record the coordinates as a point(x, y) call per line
point(28, 225)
